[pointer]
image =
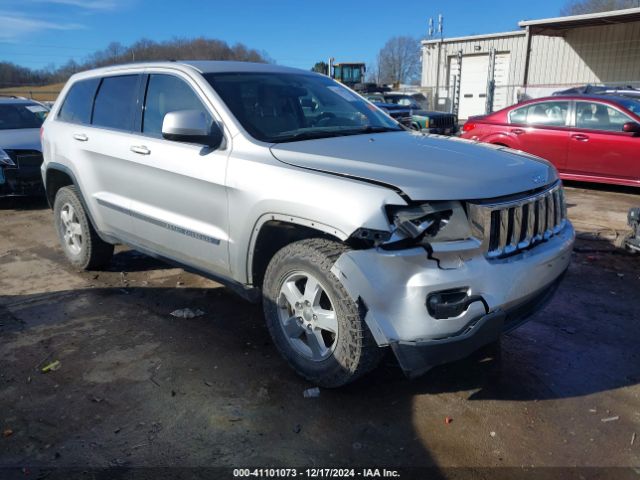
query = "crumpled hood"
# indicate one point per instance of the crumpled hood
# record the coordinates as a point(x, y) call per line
point(20, 139)
point(423, 167)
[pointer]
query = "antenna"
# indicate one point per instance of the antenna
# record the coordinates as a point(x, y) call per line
point(430, 34)
point(440, 21)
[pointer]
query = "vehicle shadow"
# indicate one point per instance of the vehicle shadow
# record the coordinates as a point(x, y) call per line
point(130, 261)
point(24, 203)
point(603, 187)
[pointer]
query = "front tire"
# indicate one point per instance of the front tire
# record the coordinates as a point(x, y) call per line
point(317, 327)
point(80, 242)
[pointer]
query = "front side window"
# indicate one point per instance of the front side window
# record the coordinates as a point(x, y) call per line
point(20, 115)
point(79, 101)
point(285, 107)
point(553, 114)
point(116, 102)
point(166, 93)
point(598, 116)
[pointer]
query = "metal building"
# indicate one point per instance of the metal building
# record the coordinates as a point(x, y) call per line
point(475, 74)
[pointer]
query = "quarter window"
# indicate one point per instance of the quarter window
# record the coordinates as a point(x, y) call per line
point(116, 102)
point(553, 114)
point(597, 116)
point(78, 102)
point(166, 93)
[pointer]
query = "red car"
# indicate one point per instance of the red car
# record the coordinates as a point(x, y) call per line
point(591, 138)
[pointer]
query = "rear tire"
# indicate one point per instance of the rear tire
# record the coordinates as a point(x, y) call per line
point(80, 242)
point(317, 327)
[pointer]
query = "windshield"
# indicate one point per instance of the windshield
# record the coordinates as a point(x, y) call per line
point(20, 115)
point(285, 107)
point(404, 100)
point(630, 104)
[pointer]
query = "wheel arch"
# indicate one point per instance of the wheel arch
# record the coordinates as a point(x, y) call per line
point(58, 176)
point(274, 231)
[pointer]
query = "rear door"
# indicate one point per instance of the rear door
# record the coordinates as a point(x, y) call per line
point(179, 203)
point(108, 158)
point(598, 147)
point(95, 151)
point(541, 128)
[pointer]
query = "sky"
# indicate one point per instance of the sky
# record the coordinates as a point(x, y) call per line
point(37, 33)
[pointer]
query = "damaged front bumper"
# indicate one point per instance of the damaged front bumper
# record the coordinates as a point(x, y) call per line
point(394, 286)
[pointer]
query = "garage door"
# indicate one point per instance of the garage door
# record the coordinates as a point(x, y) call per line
point(473, 85)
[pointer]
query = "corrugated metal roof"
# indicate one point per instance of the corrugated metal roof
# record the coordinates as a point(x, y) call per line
point(555, 27)
point(484, 36)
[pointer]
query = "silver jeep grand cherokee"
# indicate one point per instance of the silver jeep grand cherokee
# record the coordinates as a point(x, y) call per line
point(291, 189)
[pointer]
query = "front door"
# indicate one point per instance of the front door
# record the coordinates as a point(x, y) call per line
point(599, 148)
point(179, 206)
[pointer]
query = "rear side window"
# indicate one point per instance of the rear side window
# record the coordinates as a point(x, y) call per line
point(166, 93)
point(553, 114)
point(78, 102)
point(116, 102)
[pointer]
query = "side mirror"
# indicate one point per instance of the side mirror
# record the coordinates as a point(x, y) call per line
point(191, 126)
point(631, 127)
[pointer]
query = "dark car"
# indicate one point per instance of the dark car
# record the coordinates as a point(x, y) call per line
point(20, 149)
point(421, 119)
point(592, 138)
point(627, 91)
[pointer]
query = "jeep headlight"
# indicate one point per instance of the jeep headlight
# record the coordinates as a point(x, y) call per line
point(5, 159)
point(426, 223)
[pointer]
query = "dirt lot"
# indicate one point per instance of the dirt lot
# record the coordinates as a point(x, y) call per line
point(138, 387)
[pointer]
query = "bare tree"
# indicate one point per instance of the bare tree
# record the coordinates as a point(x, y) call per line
point(373, 72)
point(321, 67)
point(399, 60)
point(579, 7)
point(144, 49)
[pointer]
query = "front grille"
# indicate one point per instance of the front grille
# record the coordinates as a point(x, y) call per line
point(508, 227)
point(25, 158)
point(442, 121)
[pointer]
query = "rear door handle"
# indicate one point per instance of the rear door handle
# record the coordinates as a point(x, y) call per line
point(517, 131)
point(580, 137)
point(140, 149)
point(81, 137)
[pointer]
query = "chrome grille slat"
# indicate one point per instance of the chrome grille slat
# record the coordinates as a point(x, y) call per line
point(504, 229)
point(541, 216)
point(511, 226)
point(517, 227)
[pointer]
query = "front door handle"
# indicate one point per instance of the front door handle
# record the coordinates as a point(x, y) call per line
point(81, 137)
point(517, 131)
point(580, 137)
point(140, 149)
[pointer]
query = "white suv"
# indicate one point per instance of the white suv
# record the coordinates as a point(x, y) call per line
point(291, 189)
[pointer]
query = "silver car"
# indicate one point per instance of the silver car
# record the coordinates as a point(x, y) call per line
point(354, 233)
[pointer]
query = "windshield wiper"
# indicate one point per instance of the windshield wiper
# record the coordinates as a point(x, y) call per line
point(313, 134)
point(378, 129)
point(308, 135)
